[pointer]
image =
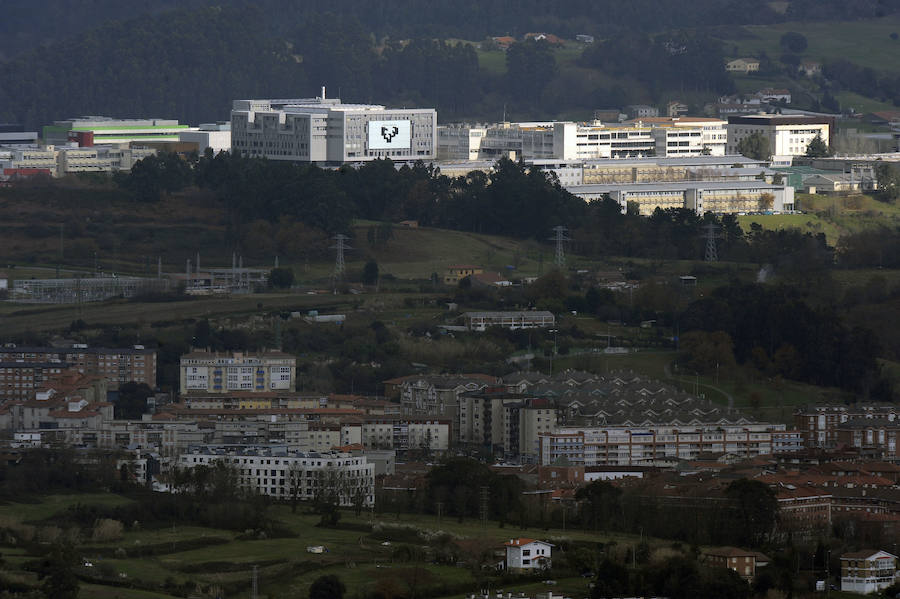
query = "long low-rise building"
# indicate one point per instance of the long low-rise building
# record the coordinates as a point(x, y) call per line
point(342, 478)
point(700, 196)
point(525, 319)
point(629, 446)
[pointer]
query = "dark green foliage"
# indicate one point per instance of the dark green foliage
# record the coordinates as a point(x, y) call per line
point(458, 483)
point(755, 145)
point(817, 148)
point(602, 504)
point(678, 60)
point(132, 400)
point(530, 67)
point(757, 508)
point(370, 273)
point(57, 570)
point(281, 278)
point(824, 350)
point(793, 42)
point(328, 586)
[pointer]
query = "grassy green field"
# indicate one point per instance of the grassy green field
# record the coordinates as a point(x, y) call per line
point(866, 42)
point(357, 555)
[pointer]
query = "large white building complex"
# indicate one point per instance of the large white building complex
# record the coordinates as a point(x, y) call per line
point(326, 131)
point(788, 135)
point(341, 477)
point(207, 372)
point(652, 136)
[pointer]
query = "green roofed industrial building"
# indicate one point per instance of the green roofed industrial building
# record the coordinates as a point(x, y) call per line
point(95, 130)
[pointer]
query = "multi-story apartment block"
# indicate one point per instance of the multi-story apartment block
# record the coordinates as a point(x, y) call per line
point(824, 427)
point(787, 135)
point(402, 434)
point(67, 400)
point(868, 571)
point(206, 372)
point(117, 365)
point(627, 446)
point(325, 131)
point(347, 479)
point(437, 396)
point(20, 379)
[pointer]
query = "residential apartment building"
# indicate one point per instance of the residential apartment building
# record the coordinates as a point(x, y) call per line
point(117, 365)
point(868, 571)
point(325, 131)
point(506, 423)
point(742, 561)
point(456, 273)
point(66, 400)
point(787, 135)
point(636, 445)
point(820, 425)
point(348, 479)
point(20, 379)
point(207, 372)
point(742, 65)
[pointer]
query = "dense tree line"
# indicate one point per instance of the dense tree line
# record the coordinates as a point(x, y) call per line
point(681, 61)
point(865, 81)
point(774, 325)
point(191, 63)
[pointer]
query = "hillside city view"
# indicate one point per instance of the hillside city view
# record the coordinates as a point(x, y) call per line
point(450, 299)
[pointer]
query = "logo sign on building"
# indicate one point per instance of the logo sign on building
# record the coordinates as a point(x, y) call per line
point(389, 135)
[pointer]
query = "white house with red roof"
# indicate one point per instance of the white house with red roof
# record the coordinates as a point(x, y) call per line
point(528, 554)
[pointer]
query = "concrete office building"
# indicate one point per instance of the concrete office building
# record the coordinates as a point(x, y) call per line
point(94, 130)
point(326, 131)
point(788, 135)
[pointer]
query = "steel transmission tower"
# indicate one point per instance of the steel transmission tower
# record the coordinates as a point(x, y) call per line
point(712, 253)
point(340, 244)
point(560, 238)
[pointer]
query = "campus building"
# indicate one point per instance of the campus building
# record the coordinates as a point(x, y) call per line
point(95, 130)
point(347, 479)
point(207, 372)
point(566, 140)
point(787, 135)
point(721, 197)
point(326, 131)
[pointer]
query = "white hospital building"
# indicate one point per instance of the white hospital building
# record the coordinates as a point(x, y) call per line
point(326, 131)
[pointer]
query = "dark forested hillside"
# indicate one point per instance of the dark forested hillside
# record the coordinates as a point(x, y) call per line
point(190, 62)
